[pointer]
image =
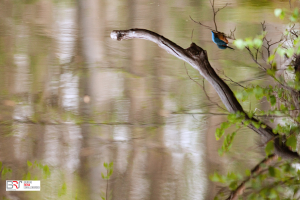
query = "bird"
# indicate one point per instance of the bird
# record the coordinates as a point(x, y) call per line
point(220, 39)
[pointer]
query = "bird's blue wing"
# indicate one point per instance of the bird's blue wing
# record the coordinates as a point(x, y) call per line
point(216, 40)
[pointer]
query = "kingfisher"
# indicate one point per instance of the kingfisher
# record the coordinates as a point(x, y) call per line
point(220, 39)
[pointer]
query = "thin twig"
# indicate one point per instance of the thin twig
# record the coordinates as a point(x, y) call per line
point(106, 183)
point(232, 36)
point(203, 87)
point(213, 7)
point(255, 60)
point(216, 12)
point(231, 79)
point(201, 24)
point(212, 3)
point(221, 8)
point(255, 171)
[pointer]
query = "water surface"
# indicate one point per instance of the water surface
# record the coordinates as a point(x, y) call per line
point(71, 98)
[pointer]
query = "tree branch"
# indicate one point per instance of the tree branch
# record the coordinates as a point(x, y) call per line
point(197, 58)
point(255, 171)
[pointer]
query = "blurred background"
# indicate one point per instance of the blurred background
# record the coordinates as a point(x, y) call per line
point(71, 98)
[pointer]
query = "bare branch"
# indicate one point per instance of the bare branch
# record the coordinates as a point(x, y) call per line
point(212, 3)
point(255, 59)
point(221, 8)
point(231, 80)
point(263, 24)
point(293, 32)
point(201, 24)
point(203, 87)
point(232, 36)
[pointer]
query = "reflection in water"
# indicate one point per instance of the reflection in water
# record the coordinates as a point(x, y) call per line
point(20, 142)
point(188, 152)
point(72, 99)
point(69, 90)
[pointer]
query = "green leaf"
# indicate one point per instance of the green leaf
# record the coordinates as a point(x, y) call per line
point(272, 171)
point(293, 17)
point(63, 190)
point(219, 133)
point(240, 44)
point(271, 58)
point(290, 52)
point(282, 107)
point(220, 152)
point(247, 122)
point(214, 177)
point(298, 50)
point(29, 164)
point(110, 173)
point(296, 12)
point(227, 143)
point(111, 165)
point(292, 142)
point(269, 148)
point(46, 170)
point(217, 178)
point(0, 165)
point(256, 124)
point(296, 41)
point(282, 15)
point(263, 126)
point(105, 164)
point(277, 12)
point(233, 185)
point(257, 43)
point(239, 95)
point(271, 72)
point(27, 176)
point(248, 42)
point(259, 92)
point(272, 100)
point(273, 194)
point(248, 172)
point(225, 125)
point(251, 113)
point(281, 51)
point(5, 171)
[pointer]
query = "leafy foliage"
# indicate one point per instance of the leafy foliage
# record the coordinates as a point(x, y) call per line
point(110, 168)
point(33, 174)
point(271, 179)
point(6, 172)
point(63, 190)
point(107, 195)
